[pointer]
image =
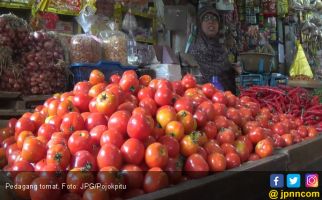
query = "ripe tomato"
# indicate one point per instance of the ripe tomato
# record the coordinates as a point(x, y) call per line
point(112, 136)
point(95, 193)
point(72, 121)
point(242, 150)
point(85, 160)
point(156, 155)
point(303, 132)
point(248, 126)
point(279, 128)
point(312, 132)
point(158, 132)
point(96, 77)
point(172, 145)
point(11, 124)
point(82, 87)
point(234, 115)
point(107, 103)
point(129, 84)
point(133, 151)
point(288, 138)
point(174, 170)
point(119, 121)
point(210, 130)
point(189, 81)
point(188, 145)
point(256, 134)
point(178, 87)
point(226, 135)
point(22, 136)
point(38, 119)
point(175, 129)
point(111, 176)
point(5, 133)
point(95, 119)
point(54, 120)
point(232, 99)
point(146, 92)
point(24, 124)
point(149, 105)
point(21, 166)
point(52, 107)
point(228, 148)
point(140, 111)
point(155, 179)
point(3, 158)
point(81, 102)
point(219, 97)
point(22, 179)
point(92, 105)
point(221, 122)
point(115, 78)
point(253, 157)
point(207, 107)
point(133, 176)
point(57, 140)
point(247, 141)
point(66, 107)
point(264, 148)
point(196, 166)
point(96, 90)
point(213, 147)
point(163, 96)
point(96, 133)
point(187, 120)
point(184, 103)
point(127, 106)
point(33, 150)
point(46, 131)
point(201, 118)
point(140, 127)
point(77, 177)
point(49, 193)
point(8, 141)
point(216, 162)
point(232, 160)
point(79, 140)
point(220, 109)
point(209, 90)
point(109, 155)
point(59, 155)
point(145, 80)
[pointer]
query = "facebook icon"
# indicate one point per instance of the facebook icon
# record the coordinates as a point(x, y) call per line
point(277, 181)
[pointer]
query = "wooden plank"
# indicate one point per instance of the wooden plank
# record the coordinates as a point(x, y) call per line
point(305, 84)
point(9, 95)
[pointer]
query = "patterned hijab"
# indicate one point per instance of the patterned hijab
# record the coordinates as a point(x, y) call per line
point(208, 52)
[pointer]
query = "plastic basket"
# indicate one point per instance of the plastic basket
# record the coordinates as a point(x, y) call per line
point(251, 79)
point(81, 71)
point(257, 62)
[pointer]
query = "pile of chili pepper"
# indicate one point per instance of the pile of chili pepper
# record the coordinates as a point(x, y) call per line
point(297, 102)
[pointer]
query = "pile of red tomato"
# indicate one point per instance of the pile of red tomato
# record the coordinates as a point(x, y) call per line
point(137, 132)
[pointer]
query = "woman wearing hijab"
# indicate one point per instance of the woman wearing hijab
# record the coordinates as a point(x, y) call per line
point(210, 55)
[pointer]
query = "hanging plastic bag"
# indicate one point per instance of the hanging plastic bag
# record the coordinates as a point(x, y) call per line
point(129, 22)
point(85, 48)
point(115, 44)
point(300, 64)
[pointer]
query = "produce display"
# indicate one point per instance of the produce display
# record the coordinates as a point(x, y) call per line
point(296, 102)
point(157, 133)
point(31, 62)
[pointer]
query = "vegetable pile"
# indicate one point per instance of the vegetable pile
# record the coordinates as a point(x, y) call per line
point(157, 133)
point(297, 102)
point(31, 62)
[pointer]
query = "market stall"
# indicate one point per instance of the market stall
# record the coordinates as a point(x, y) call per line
point(104, 100)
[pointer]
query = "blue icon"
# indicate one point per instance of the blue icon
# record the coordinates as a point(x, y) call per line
point(293, 180)
point(277, 181)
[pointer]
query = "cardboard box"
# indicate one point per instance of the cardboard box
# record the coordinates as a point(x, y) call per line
point(171, 72)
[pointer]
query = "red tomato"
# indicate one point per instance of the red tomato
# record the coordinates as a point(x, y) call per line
point(146, 92)
point(107, 103)
point(189, 81)
point(139, 127)
point(209, 90)
point(248, 126)
point(129, 84)
point(82, 87)
point(256, 134)
point(278, 141)
point(22, 166)
point(133, 176)
point(210, 129)
point(207, 107)
point(221, 122)
point(232, 99)
point(81, 102)
point(33, 150)
point(3, 158)
point(131, 98)
point(232, 160)
point(220, 109)
point(95, 193)
point(11, 124)
point(77, 178)
point(187, 120)
point(226, 135)
point(188, 145)
point(247, 141)
point(234, 115)
point(96, 90)
point(119, 121)
point(242, 150)
point(8, 141)
point(178, 87)
point(219, 97)
point(302, 130)
point(216, 162)
point(96, 77)
point(201, 118)
point(79, 140)
point(48, 193)
point(95, 119)
point(163, 96)
point(109, 155)
point(92, 105)
point(312, 132)
point(150, 105)
point(133, 151)
point(54, 120)
point(196, 166)
point(85, 160)
point(24, 124)
point(22, 179)
point(165, 114)
point(279, 128)
point(264, 148)
point(59, 155)
point(112, 136)
point(213, 147)
point(52, 107)
point(155, 179)
point(145, 80)
point(174, 170)
point(66, 107)
point(175, 129)
point(38, 119)
point(288, 138)
point(172, 145)
point(253, 157)
point(72, 122)
point(156, 155)
point(184, 103)
point(111, 176)
point(115, 78)
point(158, 132)
point(11, 148)
point(46, 131)
point(96, 133)
point(6, 133)
point(127, 106)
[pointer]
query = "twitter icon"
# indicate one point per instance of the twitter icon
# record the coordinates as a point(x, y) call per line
point(293, 180)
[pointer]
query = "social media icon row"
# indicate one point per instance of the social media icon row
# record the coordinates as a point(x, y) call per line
point(294, 180)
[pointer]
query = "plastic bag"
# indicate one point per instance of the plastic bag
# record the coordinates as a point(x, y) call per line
point(300, 64)
point(85, 48)
point(115, 44)
point(132, 53)
point(129, 22)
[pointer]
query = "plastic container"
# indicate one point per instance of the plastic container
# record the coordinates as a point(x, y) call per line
point(216, 83)
point(81, 71)
point(251, 79)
